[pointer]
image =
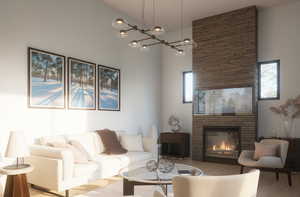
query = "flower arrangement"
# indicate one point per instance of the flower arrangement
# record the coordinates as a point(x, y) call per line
point(288, 112)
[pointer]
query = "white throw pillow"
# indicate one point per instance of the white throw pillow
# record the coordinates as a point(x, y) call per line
point(132, 142)
point(87, 140)
point(52, 139)
point(81, 148)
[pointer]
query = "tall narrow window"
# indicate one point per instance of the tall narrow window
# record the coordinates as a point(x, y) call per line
point(187, 87)
point(269, 80)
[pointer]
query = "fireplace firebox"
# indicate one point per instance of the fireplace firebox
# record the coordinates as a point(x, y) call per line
point(221, 144)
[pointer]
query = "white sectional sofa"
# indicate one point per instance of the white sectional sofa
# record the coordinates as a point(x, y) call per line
point(54, 168)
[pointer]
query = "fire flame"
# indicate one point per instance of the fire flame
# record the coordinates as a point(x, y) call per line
point(223, 146)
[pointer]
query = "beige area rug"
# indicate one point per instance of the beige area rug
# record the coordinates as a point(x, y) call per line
point(268, 186)
point(116, 190)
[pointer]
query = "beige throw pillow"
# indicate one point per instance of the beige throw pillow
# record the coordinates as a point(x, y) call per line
point(265, 149)
point(132, 142)
point(79, 157)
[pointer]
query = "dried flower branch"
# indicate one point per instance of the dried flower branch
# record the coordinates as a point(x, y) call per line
point(291, 108)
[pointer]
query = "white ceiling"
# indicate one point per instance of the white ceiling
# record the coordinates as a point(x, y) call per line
point(168, 11)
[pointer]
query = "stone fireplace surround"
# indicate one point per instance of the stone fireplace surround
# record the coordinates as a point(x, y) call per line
point(226, 59)
point(247, 124)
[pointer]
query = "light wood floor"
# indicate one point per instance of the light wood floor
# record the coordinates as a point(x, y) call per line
point(268, 186)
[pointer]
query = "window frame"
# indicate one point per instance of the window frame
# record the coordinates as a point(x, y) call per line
point(183, 87)
point(278, 79)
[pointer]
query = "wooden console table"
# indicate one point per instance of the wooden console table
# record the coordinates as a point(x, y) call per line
point(175, 144)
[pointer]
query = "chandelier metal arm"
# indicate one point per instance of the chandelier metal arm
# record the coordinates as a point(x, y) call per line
point(152, 44)
point(127, 30)
point(143, 39)
point(182, 45)
point(153, 33)
point(150, 36)
point(175, 42)
point(160, 41)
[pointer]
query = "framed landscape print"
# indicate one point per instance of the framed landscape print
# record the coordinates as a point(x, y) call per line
point(82, 84)
point(46, 79)
point(109, 88)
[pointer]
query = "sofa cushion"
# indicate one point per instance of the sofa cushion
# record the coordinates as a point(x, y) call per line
point(124, 160)
point(132, 142)
point(87, 140)
point(79, 155)
point(111, 142)
point(265, 149)
point(110, 165)
point(85, 170)
point(136, 157)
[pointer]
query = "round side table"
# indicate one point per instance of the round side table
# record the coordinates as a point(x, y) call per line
point(16, 183)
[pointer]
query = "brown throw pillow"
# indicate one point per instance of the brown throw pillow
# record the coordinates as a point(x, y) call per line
point(265, 149)
point(111, 142)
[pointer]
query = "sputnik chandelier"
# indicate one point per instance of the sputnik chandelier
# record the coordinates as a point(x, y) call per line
point(151, 35)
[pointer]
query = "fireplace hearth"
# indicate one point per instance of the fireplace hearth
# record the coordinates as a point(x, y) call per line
point(221, 144)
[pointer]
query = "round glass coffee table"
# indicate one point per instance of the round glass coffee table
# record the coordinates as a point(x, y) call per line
point(141, 176)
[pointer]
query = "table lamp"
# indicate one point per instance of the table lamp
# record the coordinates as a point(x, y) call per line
point(17, 148)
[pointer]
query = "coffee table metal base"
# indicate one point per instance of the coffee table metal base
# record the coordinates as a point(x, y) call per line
point(128, 186)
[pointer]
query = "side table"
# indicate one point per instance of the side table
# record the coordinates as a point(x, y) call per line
point(16, 183)
point(175, 144)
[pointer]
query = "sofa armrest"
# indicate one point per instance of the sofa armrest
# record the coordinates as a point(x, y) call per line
point(65, 157)
point(47, 173)
point(245, 157)
point(150, 145)
point(284, 148)
point(247, 153)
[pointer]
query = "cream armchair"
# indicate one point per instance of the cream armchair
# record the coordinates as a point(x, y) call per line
point(275, 163)
point(244, 185)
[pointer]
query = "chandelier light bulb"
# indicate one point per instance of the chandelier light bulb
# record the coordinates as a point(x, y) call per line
point(187, 41)
point(119, 23)
point(144, 48)
point(134, 44)
point(157, 30)
point(180, 52)
point(123, 33)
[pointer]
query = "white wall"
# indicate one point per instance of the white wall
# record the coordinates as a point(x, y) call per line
point(278, 38)
point(80, 29)
point(171, 88)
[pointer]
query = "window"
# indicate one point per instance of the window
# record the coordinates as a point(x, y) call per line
point(187, 87)
point(269, 80)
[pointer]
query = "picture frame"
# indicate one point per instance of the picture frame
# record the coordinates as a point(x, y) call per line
point(109, 88)
point(46, 87)
point(82, 89)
